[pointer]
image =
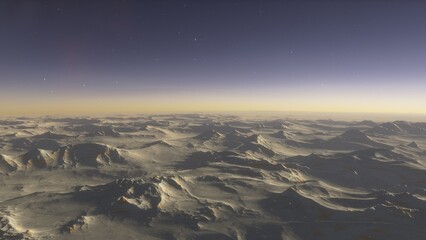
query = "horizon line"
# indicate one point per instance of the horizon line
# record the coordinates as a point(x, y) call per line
point(323, 115)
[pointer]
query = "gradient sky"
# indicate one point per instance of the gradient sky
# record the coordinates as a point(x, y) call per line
point(60, 57)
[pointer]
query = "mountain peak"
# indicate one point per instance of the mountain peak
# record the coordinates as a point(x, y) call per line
point(413, 145)
point(354, 135)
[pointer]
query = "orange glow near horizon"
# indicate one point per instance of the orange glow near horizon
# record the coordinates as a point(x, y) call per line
point(208, 103)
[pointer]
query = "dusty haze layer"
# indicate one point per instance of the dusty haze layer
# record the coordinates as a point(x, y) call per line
point(211, 177)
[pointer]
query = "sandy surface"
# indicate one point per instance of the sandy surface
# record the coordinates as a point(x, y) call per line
point(211, 177)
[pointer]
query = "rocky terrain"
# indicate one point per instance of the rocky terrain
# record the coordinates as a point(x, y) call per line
point(211, 177)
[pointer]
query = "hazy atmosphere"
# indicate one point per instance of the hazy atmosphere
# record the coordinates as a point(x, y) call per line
point(183, 56)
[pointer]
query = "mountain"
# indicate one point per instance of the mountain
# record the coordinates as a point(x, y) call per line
point(354, 135)
point(27, 143)
point(399, 127)
point(209, 135)
point(51, 135)
point(413, 145)
point(257, 144)
point(281, 135)
point(92, 130)
point(105, 132)
point(86, 154)
point(351, 139)
point(7, 164)
point(157, 143)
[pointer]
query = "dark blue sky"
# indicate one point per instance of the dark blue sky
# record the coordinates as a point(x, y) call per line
point(139, 47)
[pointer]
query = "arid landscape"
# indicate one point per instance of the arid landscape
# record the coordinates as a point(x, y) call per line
point(212, 120)
point(211, 177)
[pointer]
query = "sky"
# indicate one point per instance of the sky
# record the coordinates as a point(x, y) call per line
point(92, 57)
